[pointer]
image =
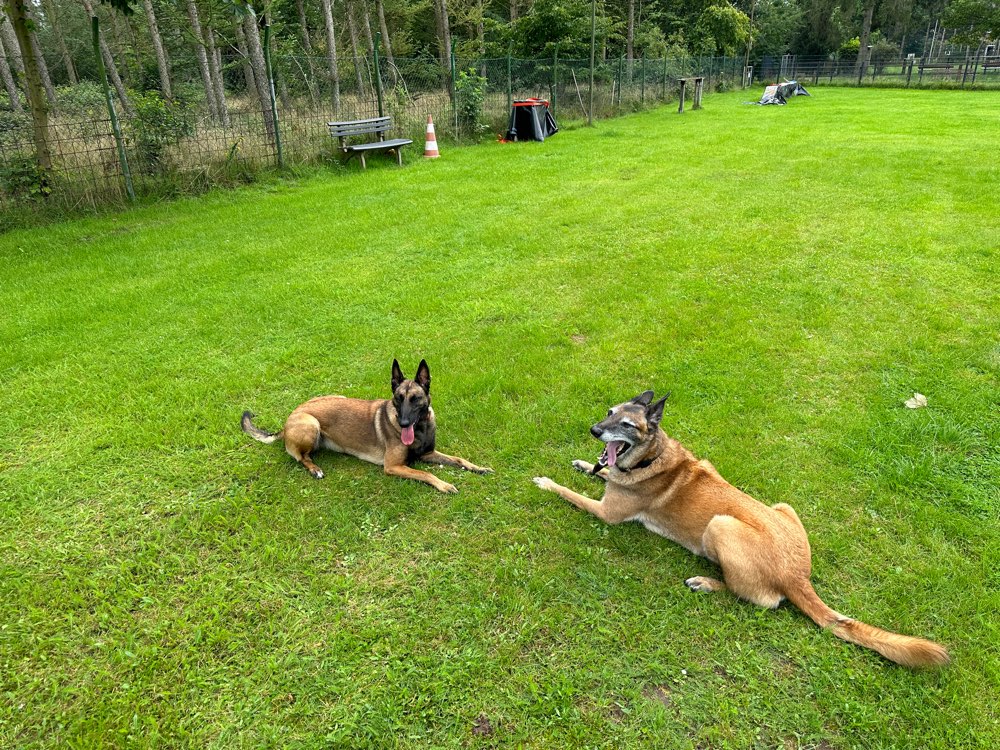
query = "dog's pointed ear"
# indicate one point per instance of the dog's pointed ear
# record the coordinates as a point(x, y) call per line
point(423, 376)
point(397, 376)
point(654, 412)
point(643, 399)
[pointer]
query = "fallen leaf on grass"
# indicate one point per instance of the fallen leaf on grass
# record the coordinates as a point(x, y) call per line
point(919, 401)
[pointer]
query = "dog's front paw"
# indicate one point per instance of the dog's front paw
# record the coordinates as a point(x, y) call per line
point(704, 583)
point(317, 473)
point(545, 483)
point(583, 466)
point(448, 489)
point(483, 470)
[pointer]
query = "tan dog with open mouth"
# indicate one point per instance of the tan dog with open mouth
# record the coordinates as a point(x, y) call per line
point(763, 551)
point(392, 432)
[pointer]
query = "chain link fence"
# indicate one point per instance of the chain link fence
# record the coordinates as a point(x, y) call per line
point(188, 144)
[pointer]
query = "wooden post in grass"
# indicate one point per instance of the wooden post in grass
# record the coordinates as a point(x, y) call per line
point(680, 108)
point(270, 91)
point(115, 128)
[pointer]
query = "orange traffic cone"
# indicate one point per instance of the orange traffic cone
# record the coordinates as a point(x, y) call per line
point(431, 148)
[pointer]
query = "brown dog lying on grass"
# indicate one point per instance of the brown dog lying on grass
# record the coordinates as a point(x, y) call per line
point(763, 551)
point(392, 432)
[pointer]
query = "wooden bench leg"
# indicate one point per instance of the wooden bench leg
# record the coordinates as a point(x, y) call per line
point(361, 155)
point(680, 108)
point(399, 156)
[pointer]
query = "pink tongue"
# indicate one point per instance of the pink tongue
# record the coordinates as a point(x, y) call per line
point(612, 452)
point(407, 435)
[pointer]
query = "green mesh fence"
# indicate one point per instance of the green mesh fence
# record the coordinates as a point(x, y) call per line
point(187, 145)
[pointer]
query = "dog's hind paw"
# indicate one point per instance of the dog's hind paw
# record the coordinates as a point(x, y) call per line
point(544, 482)
point(317, 473)
point(704, 583)
point(447, 488)
point(483, 470)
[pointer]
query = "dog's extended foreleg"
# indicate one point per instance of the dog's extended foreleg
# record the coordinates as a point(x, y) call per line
point(443, 459)
point(588, 468)
point(607, 512)
point(406, 472)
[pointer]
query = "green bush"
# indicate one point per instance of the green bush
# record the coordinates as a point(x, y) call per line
point(470, 95)
point(20, 177)
point(84, 97)
point(157, 124)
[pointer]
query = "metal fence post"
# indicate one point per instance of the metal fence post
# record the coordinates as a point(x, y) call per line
point(378, 75)
point(270, 92)
point(621, 61)
point(663, 92)
point(642, 84)
point(593, 45)
point(122, 158)
point(454, 90)
point(510, 85)
point(555, 76)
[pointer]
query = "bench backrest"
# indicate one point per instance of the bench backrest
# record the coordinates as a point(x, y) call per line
point(359, 127)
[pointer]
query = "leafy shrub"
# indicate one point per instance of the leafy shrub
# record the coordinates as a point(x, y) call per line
point(157, 124)
point(470, 95)
point(84, 97)
point(20, 177)
point(15, 130)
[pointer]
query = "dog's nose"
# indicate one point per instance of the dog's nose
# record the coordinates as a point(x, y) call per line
point(596, 431)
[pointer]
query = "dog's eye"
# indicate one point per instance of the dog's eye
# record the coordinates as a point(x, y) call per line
point(628, 424)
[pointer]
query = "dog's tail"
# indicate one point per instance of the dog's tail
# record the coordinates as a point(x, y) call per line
point(246, 422)
point(902, 649)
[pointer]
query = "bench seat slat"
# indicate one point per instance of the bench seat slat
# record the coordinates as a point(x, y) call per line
point(379, 145)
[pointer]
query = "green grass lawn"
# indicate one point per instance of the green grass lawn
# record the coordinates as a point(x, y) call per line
point(792, 274)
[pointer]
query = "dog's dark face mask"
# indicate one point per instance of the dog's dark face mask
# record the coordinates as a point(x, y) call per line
point(411, 398)
point(627, 431)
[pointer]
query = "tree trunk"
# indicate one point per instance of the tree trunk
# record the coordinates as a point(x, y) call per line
point(386, 43)
point(215, 68)
point(446, 44)
point(249, 77)
point(43, 69)
point(161, 56)
point(480, 31)
point(513, 10)
point(367, 27)
point(303, 27)
point(18, 16)
point(352, 31)
point(112, 69)
point(331, 55)
point(50, 11)
point(866, 34)
point(201, 52)
point(630, 32)
point(256, 51)
point(11, 44)
point(8, 80)
point(446, 33)
point(307, 48)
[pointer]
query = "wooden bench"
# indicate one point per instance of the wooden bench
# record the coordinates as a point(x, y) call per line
point(374, 126)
